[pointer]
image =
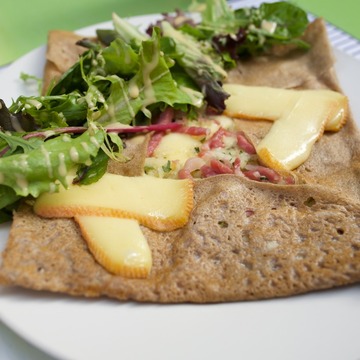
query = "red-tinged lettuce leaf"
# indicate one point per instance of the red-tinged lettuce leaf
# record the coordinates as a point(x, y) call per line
point(200, 66)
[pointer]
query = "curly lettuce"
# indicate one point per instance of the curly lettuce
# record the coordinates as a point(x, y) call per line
point(127, 78)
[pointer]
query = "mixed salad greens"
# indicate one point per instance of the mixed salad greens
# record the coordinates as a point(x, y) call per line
point(122, 82)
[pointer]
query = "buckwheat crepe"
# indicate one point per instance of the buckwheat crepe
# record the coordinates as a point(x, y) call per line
point(245, 240)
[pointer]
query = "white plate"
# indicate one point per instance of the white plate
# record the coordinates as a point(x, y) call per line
point(323, 325)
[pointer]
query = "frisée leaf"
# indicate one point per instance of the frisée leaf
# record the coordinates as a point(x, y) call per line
point(153, 84)
point(128, 77)
point(52, 111)
point(13, 142)
point(46, 167)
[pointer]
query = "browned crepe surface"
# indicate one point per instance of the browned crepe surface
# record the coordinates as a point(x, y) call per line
point(245, 240)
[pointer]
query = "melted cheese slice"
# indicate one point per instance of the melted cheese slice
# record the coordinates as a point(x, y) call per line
point(300, 118)
point(257, 102)
point(160, 204)
point(265, 103)
point(117, 244)
point(289, 142)
point(177, 146)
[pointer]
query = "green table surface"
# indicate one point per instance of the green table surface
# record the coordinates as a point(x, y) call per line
point(24, 23)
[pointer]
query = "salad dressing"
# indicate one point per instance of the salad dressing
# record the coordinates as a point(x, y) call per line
point(74, 154)
point(23, 163)
point(134, 90)
point(47, 161)
point(112, 109)
point(85, 146)
point(22, 183)
point(52, 187)
point(127, 57)
point(195, 97)
point(94, 141)
point(62, 170)
point(49, 133)
point(149, 91)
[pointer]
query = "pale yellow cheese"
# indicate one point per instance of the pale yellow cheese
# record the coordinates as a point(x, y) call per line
point(257, 102)
point(177, 146)
point(225, 122)
point(291, 137)
point(300, 118)
point(266, 103)
point(161, 204)
point(117, 244)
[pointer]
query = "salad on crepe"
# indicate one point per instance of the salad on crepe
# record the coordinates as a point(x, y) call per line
point(189, 157)
point(128, 78)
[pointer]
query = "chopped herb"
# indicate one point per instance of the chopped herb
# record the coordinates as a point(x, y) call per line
point(310, 201)
point(223, 224)
point(149, 169)
point(167, 168)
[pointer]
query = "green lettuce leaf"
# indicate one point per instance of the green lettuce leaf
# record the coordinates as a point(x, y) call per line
point(46, 167)
point(200, 66)
point(289, 21)
point(15, 142)
point(243, 32)
point(152, 85)
point(7, 198)
point(120, 59)
point(127, 81)
point(88, 174)
point(52, 111)
point(128, 32)
point(218, 17)
point(72, 79)
point(8, 203)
